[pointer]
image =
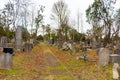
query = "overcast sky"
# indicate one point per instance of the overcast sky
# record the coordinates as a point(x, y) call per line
point(73, 6)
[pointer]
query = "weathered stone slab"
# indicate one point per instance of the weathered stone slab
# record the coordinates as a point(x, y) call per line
point(5, 61)
point(8, 60)
point(2, 61)
point(114, 58)
point(103, 57)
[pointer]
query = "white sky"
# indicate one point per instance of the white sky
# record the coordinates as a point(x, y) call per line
point(73, 6)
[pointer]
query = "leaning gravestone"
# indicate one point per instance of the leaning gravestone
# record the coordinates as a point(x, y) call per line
point(18, 38)
point(103, 57)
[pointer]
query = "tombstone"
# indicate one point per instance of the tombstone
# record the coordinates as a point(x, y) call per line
point(6, 58)
point(27, 47)
point(52, 41)
point(117, 49)
point(65, 47)
point(70, 48)
point(94, 43)
point(114, 58)
point(31, 41)
point(76, 47)
point(18, 36)
point(103, 57)
point(115, 71)
point(60, 44)
point(81, 45)
point(2, 61)
point(3, 41)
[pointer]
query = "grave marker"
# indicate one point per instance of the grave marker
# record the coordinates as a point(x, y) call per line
point(3, 41)
point(18, 37)
point(115, 71)
point(103, 57)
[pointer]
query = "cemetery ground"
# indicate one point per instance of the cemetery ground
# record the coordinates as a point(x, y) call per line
point(47, 62)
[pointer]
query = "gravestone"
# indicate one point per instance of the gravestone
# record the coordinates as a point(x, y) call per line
point(115, 71)
point(18, 36)
point(60, 43)
point(6, 58)
point(94, 43)
point(117, 49)
point(65, 47)
point(76, 47)
point(114, 58)
point(3, 41)
point(27, 47)
point(31, 41)
point(103, 57)
point(2, 61)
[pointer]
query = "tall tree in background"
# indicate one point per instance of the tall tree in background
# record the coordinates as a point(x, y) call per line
point(39, 19)
point(48, 30)
point(99, 14)
point(116, 28)
point(60, 15)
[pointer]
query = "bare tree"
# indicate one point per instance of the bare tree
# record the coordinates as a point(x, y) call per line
point(116, 28)
point(39, 19)
point(60, 15)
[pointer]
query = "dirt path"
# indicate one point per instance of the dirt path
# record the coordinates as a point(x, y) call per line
point(54, 66)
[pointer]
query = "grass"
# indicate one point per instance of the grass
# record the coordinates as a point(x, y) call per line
point(30, 66)
point(86, 70)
